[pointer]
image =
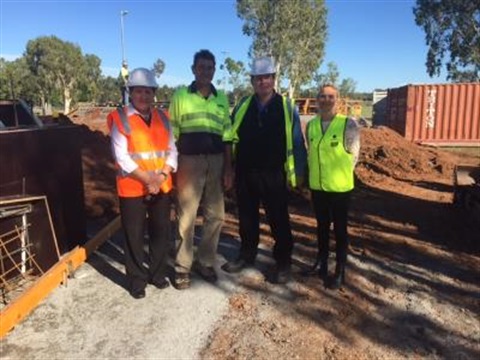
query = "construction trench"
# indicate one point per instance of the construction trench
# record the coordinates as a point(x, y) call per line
point(412, 286)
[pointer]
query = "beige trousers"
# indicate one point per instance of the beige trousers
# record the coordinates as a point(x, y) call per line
point(199, 179)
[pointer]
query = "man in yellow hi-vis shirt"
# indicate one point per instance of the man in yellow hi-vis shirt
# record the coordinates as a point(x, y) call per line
point(201, 122)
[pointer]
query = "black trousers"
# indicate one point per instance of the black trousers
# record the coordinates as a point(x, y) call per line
point(332, 207)
point(133, 212)
point(269, 188)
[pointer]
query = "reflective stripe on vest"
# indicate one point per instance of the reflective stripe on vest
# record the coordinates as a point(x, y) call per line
point(147, 146)
point(238, 116)
point(330, 165)
point(197, 114)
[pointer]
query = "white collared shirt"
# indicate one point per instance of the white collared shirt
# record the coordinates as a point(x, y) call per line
point(120, 147)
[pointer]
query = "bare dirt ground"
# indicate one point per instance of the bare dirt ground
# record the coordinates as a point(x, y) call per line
point(413, 278)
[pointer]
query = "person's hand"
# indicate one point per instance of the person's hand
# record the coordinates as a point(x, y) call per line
point(154, 182)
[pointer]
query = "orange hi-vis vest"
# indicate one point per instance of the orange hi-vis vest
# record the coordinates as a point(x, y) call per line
point(147, 146)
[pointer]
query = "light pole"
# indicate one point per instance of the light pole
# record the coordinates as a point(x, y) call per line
point(224, 53)
point(124, 69)
point(122, 15)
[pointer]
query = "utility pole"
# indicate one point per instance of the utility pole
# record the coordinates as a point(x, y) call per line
point(124, 69)
point(122, 15)
point(224, 53)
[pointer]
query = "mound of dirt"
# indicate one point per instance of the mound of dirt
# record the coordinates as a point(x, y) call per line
point(385, 152)
point(98, 165)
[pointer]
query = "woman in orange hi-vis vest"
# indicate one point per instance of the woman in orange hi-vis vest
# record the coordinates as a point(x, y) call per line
point(145, 154)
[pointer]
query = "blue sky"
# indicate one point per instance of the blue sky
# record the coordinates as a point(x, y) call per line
point(377, 43)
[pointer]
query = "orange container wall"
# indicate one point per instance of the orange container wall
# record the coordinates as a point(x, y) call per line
point(445, 114)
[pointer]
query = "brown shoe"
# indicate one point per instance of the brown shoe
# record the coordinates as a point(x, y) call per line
point(182, 281)
point(236, 266)
point(208, 273)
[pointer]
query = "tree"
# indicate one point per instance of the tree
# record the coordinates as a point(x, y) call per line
point(88, 89)
point(237, 76)
point(55, 62)
point(330, 77)
point(165, 92)
point(347, 87)
point(158, 67)
point(109, 90)
point(15, 80)
point(452, 28)
point(293, 32)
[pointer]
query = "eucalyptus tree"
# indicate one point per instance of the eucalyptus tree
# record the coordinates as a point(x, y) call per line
point(347, 87)
point(15, 80)
point(452, 33)
point(293, 32)
point(89, 81)
point(331, 76)
point(237, 77)
point(158, 67)
point(55, 63)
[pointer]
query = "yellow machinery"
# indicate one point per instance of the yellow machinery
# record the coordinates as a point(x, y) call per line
point(308, 106)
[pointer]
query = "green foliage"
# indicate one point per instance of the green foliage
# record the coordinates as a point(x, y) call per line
point(237, 77)
point(293, 32)
point(347, 87)
point(109, 91)
point(452, 30)
point(330, 77)
point(88, 85)
point(56, 64)
point(165, 93)
point(158, 67)
point(15, 80)
point(52, 72)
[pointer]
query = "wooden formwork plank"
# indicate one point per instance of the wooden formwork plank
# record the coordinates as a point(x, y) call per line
point(56, 275)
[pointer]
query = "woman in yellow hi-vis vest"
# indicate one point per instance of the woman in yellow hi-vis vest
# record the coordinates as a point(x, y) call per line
point(145, 155)
point(333, 147)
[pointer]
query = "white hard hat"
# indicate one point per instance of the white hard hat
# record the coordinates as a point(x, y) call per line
point(262, 66)
point(142, 77)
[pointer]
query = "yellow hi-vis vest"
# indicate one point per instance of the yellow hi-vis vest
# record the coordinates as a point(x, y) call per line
point(191, 113)
point(288, 111)
point(330, 165)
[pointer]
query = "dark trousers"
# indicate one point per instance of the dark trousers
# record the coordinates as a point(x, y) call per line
point(332, 207)
point(269, 188)
point(133, 212)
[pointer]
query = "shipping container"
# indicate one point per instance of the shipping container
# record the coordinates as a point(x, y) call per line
point(438, 114)
point(379, 106)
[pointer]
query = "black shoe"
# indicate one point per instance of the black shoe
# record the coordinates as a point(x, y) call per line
point(162, 284)
point(338, 280)
point(208, 273)
point(323, 271)
point(282, 275)
point(138, 294)
point(236, 266)
point(312, 271)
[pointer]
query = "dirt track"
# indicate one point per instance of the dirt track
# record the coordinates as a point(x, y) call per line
point(413, 278)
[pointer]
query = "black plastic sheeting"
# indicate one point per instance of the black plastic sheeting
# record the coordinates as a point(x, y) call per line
point(47, 161)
